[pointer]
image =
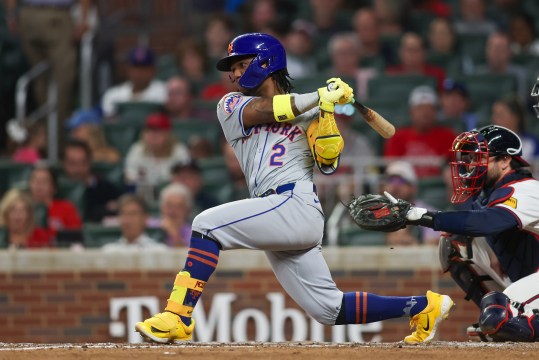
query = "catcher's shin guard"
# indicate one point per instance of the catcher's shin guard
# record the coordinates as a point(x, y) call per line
point(497, 320)
point(461, 269)
point(325, 142)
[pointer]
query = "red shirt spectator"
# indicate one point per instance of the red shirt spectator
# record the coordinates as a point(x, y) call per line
point(424, 141)
point(62, 214)
point(412, 55)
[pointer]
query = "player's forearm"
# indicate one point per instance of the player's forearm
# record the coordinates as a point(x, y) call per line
point(264, 110)
point(474, 222)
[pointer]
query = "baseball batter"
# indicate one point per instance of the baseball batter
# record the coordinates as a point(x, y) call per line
point(278, 137)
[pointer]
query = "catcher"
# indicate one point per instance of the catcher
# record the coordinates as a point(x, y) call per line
point(490, 245)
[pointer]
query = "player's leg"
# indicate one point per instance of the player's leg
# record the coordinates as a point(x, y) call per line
point(270, 222)
point(175, 323)
point(306, 278)
point(498, 320)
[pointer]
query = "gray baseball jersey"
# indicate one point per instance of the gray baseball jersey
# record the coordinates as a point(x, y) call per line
point(289, 225)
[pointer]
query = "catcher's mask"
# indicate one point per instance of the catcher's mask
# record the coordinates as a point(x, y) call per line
point(470, 155)
point(469, 165)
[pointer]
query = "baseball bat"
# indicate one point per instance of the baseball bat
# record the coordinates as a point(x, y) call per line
point(375, 120)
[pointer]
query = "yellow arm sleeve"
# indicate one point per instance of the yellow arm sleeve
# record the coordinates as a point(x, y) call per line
point(282, 108)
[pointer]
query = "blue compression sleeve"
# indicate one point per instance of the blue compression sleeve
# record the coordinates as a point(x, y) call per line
point(475, 222)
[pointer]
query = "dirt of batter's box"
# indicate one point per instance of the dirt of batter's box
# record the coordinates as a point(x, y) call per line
point(432, 351)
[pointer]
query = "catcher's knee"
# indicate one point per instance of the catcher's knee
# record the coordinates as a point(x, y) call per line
point(497, 320)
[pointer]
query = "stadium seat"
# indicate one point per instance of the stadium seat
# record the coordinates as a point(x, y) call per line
point(210, 105)
point(135, 112)
point(184, 131)
point(355, 236)
point(13, 174)
point(121, 136)
point(111, 172)
point(376, 62)
point(72, 191)
point(433, 191)
point(214, 174)
point(473, 45)
point(167, 67)
point(488, 88)
point(397, 86)
point(3, 238)
point(395, 110)
point(96, 236)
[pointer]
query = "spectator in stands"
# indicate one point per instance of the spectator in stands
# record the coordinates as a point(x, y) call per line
point(193, 63)
point(498, 53)
point(357, 144)
point(190, 175)
point(425, 143)
point(34, 146)
point(299, 44)
point(60, 214)
point(200, 147)
point(345, 52)
point(473, 18)
point(180, 104)
point(455, 110)
point(236, 187)
point(100, 196)
point(367, 29)
point(412, 54)
point(219, 31)
point(17, 220)
point(392, 16)
point(401, 181)
point(175, 204)
point(523, 35)
point(510, 113)
point(133, 214)
point(49, 33)
point(148, 161)
point(442, 38)
point(324, 16)
point(141, 84)
point(85, 125)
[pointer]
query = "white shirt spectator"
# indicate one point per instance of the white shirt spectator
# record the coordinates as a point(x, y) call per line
point(155, 92)
point(141, 165)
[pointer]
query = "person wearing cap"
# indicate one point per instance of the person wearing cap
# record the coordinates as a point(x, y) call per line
point(400, 180)
point(424, 142)
point(299, 44)
point(455, 106)
point(149, 160)
point(141, 84)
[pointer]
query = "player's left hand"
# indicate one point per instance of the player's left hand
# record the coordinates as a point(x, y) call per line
point(379, 213)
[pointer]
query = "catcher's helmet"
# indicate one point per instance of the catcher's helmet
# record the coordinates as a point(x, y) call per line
point(470, 153)
point(269, 55)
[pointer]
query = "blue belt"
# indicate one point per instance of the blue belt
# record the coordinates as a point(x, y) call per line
point(282, 188)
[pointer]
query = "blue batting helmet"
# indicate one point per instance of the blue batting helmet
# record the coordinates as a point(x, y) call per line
point(269, 56)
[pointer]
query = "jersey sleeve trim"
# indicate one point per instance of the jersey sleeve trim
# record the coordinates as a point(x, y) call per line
point(240, 119)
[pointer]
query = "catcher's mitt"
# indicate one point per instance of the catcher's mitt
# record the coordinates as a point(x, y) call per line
point(378, 213)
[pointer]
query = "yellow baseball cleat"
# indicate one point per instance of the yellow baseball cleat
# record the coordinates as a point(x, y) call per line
point(427, 321)
point(165, 327)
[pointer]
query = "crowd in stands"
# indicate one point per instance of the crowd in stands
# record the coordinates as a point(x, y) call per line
point(150, 154)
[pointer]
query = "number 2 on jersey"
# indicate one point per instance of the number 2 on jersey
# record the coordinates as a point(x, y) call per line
point(278, 152)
